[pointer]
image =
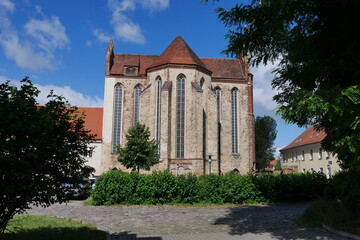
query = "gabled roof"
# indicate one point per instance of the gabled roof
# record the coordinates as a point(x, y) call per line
point(178, 52)
point(224, 68)
point(309, 136)
point(142, 62)
point(93, 120)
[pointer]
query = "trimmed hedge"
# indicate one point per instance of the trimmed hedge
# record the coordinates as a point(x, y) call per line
point(116, 187)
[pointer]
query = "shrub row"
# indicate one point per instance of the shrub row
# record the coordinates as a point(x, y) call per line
point(116, 187)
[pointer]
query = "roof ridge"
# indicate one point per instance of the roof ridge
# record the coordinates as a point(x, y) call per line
point(134, 54)
point(235, 59)
point(178, 52)
point(309, 136)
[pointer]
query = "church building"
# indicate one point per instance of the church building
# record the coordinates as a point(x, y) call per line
point(194, 107)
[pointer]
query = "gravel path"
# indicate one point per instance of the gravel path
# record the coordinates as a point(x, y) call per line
point(193, 223)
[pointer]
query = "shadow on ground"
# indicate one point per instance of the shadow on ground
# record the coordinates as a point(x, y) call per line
point(56, 234)
point(277, 220)
point(129, 236)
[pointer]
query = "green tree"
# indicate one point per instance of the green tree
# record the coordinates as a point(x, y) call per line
point(278, 165)
point(265, 135)
point(41, 148)
point(139, 152)
point(319, 70)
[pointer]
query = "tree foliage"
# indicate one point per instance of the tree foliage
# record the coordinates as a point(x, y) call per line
point(139, 151)
point(41, 148)
point(265, 135)
point(318, 51)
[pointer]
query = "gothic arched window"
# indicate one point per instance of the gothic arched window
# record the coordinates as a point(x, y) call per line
point(137, 91)
point(158, 85)
point(217, 92)
point(117, 116)
point(180, 115)
point(202, 80)
point(234, 121)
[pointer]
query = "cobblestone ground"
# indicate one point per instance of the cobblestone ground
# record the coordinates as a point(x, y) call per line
point(191, 223)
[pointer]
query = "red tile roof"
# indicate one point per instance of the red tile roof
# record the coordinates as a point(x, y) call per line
point(224, 68)
point(309, 136)
point(179, 52)
point(93, 120)
point(142, 62)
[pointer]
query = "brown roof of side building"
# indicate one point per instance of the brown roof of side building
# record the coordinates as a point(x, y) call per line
point(93, 120)
point(309, 136)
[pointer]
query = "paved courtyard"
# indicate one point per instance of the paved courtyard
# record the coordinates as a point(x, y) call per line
point(191, 223)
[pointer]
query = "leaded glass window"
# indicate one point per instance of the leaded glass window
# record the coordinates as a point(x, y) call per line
point(202, 80)
point(218, 101)
point(234, 121)
point(137, 92)
point(158, 84)
point(117, 117)
point(180, 116)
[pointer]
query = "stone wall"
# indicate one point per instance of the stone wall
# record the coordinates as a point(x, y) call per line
point(200, 105)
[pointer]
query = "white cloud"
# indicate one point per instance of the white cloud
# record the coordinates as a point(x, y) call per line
point(277, 152)
point(88, 43)
point(24, 54)
point(48, 33)
point(8, 5)
point(101, 35)
point(35, 48)
point(263, 92)
point(155, 5)
point(74, 97)
point(124, 28)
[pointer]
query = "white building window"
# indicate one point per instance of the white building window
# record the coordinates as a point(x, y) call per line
point(137, 92)
point(327, 154)
point(320, 154)
point(311, 154)
point(117, 117)
point(234, 121)
point(180, 116)
point(303, 155)
point(158, 84)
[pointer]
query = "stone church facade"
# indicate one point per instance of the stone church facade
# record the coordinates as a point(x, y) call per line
point(193, 106)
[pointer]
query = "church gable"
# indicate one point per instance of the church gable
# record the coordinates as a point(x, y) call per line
point(179, 103)
point(178, 53)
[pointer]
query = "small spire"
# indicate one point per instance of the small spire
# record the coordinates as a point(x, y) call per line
point(109, 62)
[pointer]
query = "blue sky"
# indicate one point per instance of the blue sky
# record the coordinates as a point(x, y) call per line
point(61, 45)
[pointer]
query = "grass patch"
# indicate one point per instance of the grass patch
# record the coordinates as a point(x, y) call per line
point(44, 228)
point(332, 214)
point(89, 202)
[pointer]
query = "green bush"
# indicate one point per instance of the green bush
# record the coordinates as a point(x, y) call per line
point(188, 191)
point(116, 187)
point(345, 186)
point(291, 187)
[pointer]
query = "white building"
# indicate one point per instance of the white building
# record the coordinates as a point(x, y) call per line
point(305, 154)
